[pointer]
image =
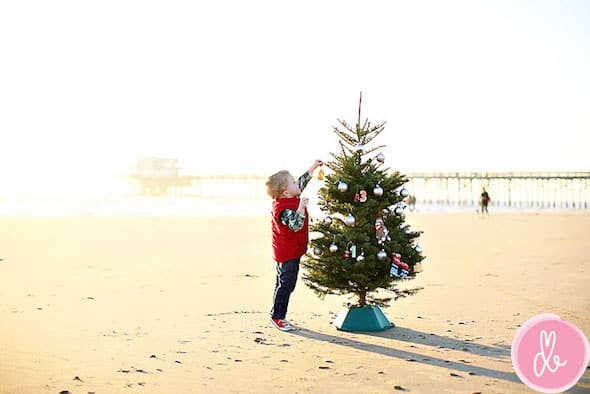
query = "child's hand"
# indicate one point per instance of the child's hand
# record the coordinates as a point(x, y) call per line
point(302, 204)
point(315, 165)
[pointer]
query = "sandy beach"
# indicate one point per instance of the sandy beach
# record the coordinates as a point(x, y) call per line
point(180, 305)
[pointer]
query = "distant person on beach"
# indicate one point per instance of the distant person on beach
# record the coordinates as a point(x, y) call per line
point(484, 200)
point(411, 201)
point(289, 236)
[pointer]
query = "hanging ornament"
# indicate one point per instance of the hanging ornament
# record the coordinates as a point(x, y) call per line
point(349, 220)
point(399, 269)
point(359, 148)
point(342, 186)
point(399, 210)
point(380, 157)
point(417, 268)
point(404, 192)
point(321, 174)
point(348, 251)
point(378, 191)
point(418, 248)
point(361, 257)
point(381, 232)
point(363, 196)
point(317, 251)
point(327, 220)
point(333, 248)
point(382, 254)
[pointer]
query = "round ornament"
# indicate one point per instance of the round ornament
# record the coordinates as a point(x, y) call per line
point(399, 211)
point(418, 248)
point(382, 254)
point(333, 248)
point(378, 191)
point(327, 220)
point(404, 192)
point(342, 186)
point(360, 258)
point(380, 157)
point(359, 148)
point(349, 220)
point(317, 251)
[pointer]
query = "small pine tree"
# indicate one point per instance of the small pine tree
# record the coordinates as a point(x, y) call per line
point(357, 258)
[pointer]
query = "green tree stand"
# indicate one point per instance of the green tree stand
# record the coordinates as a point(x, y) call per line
point(366, 318)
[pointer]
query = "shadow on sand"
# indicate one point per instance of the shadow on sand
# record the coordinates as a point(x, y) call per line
point(499, 351)
point(420, 338)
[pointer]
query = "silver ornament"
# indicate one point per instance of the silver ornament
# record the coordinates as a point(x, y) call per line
point(333, 248)
point(359, 148)
point(360, 258)
point(404, 192)
point(380, 157)
point(342, 186)
point(349, 220)
point(418, 248)
point(382, 254)
point(327, 221)
point(399, 211)
point(317, 251)
point(378, 191)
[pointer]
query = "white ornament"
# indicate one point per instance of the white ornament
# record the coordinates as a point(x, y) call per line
point(382, 254)
point(359, 148)
point(378, 191)
point(327, 220)
point(399, 211)
point(404, 192)
point(380, 157)
point(418, 248)
point(342, 186)
point(349, 220)
point(333, 248)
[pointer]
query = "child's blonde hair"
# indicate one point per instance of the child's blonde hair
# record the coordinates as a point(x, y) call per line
point(277, 183)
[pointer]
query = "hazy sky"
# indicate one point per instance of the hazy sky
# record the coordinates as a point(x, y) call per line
point(255, 86)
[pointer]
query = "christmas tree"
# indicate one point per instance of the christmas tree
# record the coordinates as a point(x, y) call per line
point(363, 243)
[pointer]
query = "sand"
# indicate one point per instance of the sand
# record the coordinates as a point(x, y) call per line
point(180, 305)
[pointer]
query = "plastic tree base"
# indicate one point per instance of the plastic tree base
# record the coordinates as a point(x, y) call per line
point(367, 318)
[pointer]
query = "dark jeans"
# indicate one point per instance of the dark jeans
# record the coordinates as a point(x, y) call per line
point(284, 286)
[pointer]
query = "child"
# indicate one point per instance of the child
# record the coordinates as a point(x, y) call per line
point(289, 236)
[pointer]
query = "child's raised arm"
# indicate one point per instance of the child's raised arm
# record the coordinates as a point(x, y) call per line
point(316, 164)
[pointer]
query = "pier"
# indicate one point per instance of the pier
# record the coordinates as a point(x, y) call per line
point(569, 190)
point(518, 190)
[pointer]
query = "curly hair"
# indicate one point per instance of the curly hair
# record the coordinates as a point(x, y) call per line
point(277, 183)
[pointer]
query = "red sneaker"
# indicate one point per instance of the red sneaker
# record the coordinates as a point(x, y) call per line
point(281, 324)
